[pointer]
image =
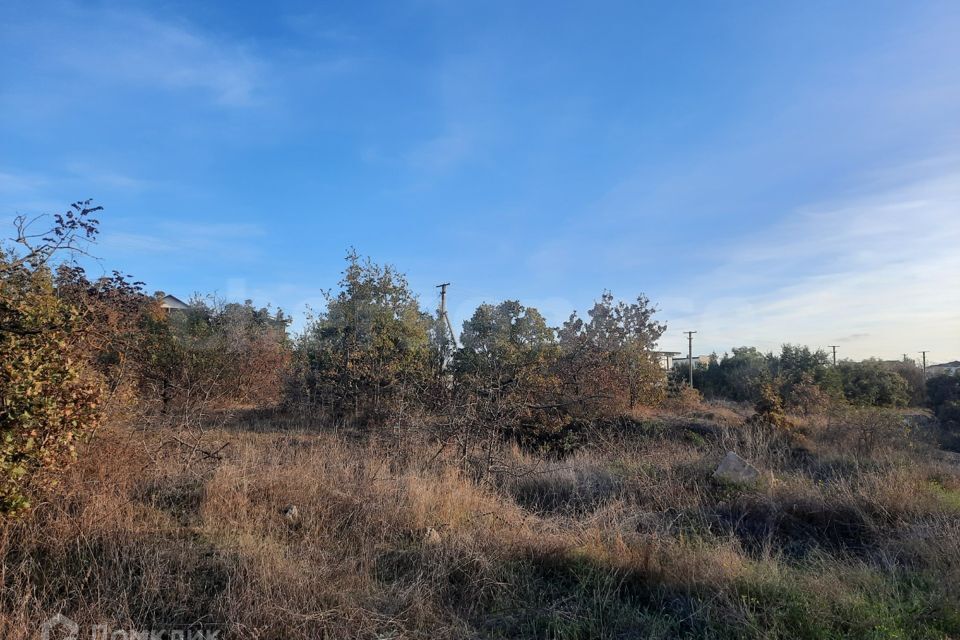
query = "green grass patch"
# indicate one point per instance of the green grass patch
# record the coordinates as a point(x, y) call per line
point(950, 498)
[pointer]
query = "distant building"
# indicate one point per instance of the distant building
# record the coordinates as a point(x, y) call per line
point(682, 360)
point(666, 358)
point(173, 302)
point(945, 369)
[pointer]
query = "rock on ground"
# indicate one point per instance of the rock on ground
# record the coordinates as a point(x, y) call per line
point(291, 513)
point(735, 469)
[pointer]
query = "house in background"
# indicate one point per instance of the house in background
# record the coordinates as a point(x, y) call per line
point(945, 369)
point(683, 361)
point(173, 302)
point(666, 359)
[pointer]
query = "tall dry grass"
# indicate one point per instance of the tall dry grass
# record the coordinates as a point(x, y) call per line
point(627, 538)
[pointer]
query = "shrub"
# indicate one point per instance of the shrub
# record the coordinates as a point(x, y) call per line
point(769, 408)
point(807, 398)
point(46, 398)
point(944, 394)
point(737, 376)
point(869, 383)
point(867, 431)
point(949, 413)
point(111, 310)
point(210, 356)
point(683, 399)
point(504, 381)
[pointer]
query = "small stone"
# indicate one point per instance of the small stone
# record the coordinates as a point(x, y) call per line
point(431, 537)
point(291, 513)
point(735, 469)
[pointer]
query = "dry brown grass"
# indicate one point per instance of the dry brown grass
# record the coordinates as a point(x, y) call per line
point(628, 538)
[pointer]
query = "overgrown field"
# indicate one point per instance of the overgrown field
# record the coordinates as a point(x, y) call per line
point(853, 533)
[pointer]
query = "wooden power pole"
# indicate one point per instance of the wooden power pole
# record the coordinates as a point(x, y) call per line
point(924, 354)
point(834, 347)
point(690, 354)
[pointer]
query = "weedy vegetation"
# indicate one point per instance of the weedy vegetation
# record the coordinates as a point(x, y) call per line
point(369, 478)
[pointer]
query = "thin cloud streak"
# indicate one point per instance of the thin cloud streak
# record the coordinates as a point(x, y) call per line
point(130, 48)
point(879, 271)
point(190, 241)
point(12, 182)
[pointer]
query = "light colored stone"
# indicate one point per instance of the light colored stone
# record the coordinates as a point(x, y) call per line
point(735, 469)
point(291, 513)
point(431, 537)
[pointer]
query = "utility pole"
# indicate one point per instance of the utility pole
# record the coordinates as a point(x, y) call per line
point(924, 354)
point(443, 311)
point(690, 354)
point(834, 347)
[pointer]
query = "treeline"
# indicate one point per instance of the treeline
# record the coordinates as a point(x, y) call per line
point(805, 378)
point(373, 356)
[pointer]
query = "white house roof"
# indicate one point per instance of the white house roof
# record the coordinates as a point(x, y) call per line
point(173, 302)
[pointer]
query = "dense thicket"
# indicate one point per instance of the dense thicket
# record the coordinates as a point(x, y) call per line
point(46, 397)
point(77, 352)
point(373, 356)
point(944, 394)
point(804, 378)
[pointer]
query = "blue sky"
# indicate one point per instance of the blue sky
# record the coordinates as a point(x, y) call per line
point(765, 172)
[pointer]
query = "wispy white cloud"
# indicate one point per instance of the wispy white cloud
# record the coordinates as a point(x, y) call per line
point(442, 152)
point(131, 48)
point(14, 182)
point(466, 91)
point(189, 241)
point(23, 192)
point(87, 173)
point(31, 194)
point(148, 51)
point(879, 273)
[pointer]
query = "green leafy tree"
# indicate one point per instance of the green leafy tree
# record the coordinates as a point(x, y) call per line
point(504, 379)
point(743, 373)
point(870, 383)
point(738, 375)
point(368, 349)
point(505, 346)
point(608, 361)
point(916, 385)
point(799, 364)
